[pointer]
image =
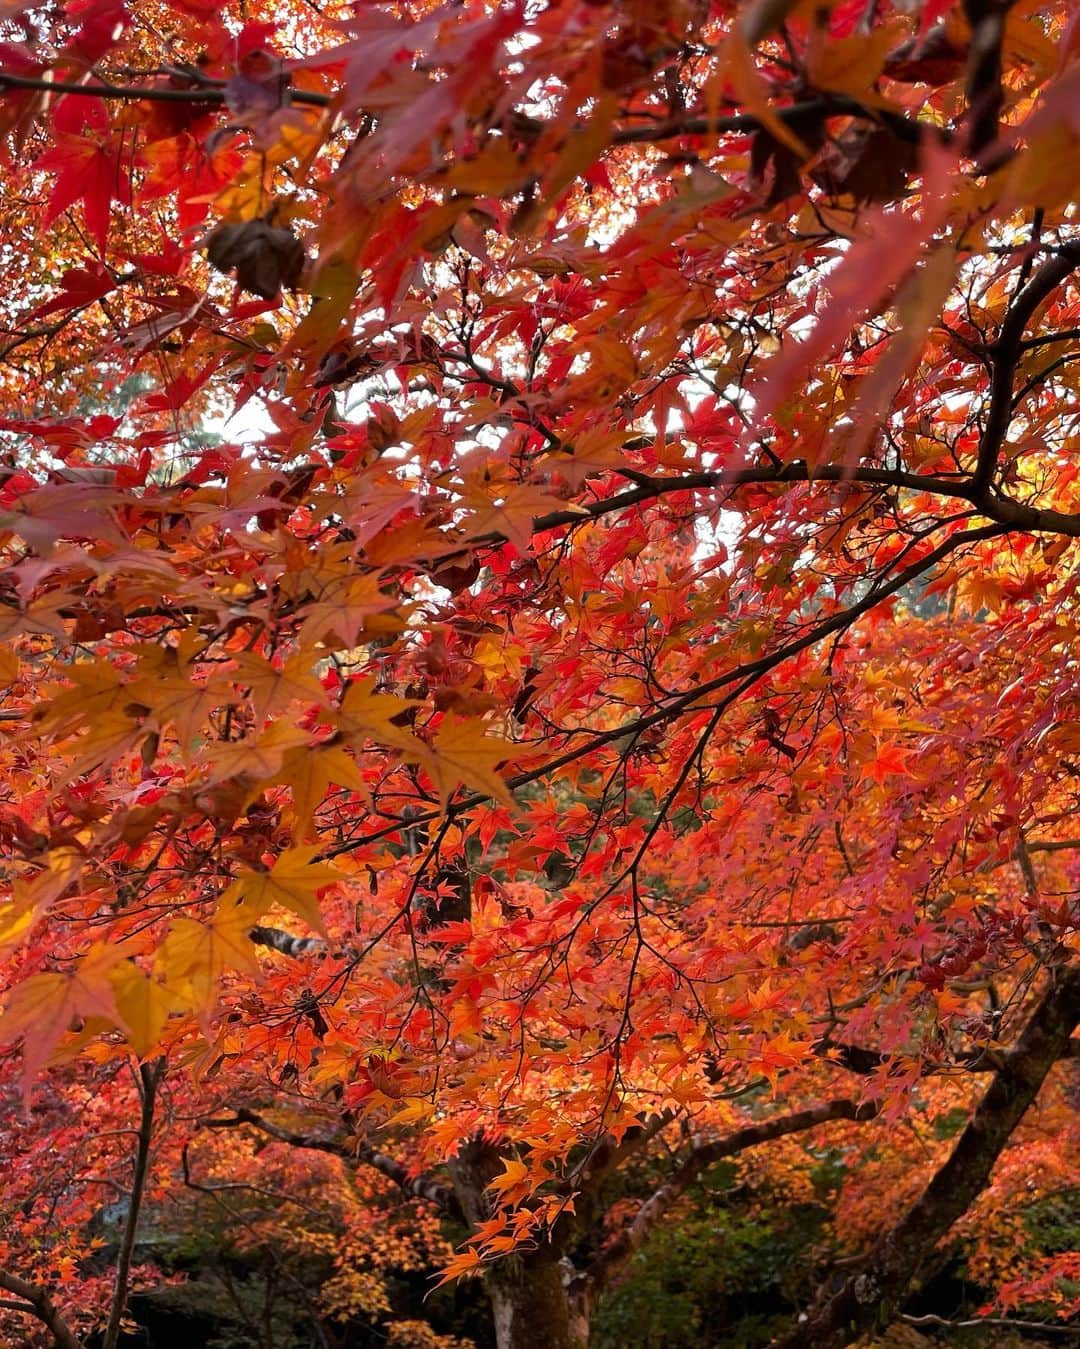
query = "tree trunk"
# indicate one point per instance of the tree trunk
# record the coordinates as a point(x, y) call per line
point(529, 1293)
point(530, 1304)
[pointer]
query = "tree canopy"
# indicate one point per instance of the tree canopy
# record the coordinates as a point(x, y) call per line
point(538, 606)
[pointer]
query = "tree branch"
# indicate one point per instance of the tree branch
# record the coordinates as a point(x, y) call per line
point(603, 1269)
point(285, 943)
point(609, 1155)
point(421, 1186)
point(693, 698)
point(984, 93)
point(1004, 510)
point(873, 1296)
point(149, 1078)
point(135, 93)
point(1006, 353)
point(862, 1061)
point(978, 1323)
point(904, 128)
point(37, 1302)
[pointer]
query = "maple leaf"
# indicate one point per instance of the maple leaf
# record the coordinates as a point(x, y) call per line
point(507, 510)
point(511, 1177)
point(79, 286)
point(463, 754)
point(293, 882)
point(345, 610)
point(870, 268)
point(850, 63)
point(365, 716)
point(194, 955)
point(86, 161)
point(273, 688)
point(144, 1005)
point(62, 869)
point(17, 921)
point(256, 758)
point(890, 761)
point(98, 699)
point(43, 1007)
point(166, 687)
point(9, 666)
point(778, 338)
point(310, 772)
point(469, 1261)
point(415, 1109)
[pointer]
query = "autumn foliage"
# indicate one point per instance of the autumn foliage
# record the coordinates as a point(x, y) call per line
point(538, 600)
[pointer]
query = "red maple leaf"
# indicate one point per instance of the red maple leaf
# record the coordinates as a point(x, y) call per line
point(87, 162)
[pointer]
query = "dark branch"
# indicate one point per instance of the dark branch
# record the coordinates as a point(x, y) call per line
point(874, 1295)
point(863, 1061)
point(214, 94)
point(150, 1075)
point(904, 128)
point(704, 1155)
point(285, 943)
point(413, 1186)
point(1006, 353)
point(37, 1302)
point(985, 95)
point(693, 698)
point(1005, 511)
point(136, 93)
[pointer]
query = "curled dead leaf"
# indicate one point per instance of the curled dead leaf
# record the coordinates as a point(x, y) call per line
point(264, 257)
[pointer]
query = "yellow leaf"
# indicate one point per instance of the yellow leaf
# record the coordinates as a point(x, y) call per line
point(365, 716)
point(849, 65)
point(310, 773)
point(496, 170)
point(16, 922)
point(498, 656)
point(348, 606)
point(463, 754)
point(42, 1008)
point(101, 706)
point(274, 689)
point(258, 757)
point(9, 666)
point(292, 882)
point(63, 868)
point(507, 510)
point(178, 703)
point(415, 1108)
point(143, 1003)
point(168, 686)
point(194, 955)
point(98, 694)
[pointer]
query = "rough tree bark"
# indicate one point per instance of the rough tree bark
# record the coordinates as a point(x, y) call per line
point(530, 1305)
point(873, 1295)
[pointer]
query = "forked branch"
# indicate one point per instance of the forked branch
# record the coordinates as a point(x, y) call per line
point(35, 1301)
point(873, 1295)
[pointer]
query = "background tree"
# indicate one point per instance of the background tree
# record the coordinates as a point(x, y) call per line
point(633, 636)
